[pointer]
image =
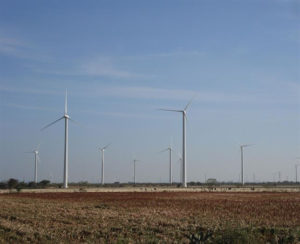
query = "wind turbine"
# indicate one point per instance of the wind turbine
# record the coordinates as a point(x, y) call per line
point(170, 162)
point(66, 153)
point(242, 161)
point(36, 159)
point(102, 150)
point(296, 170)
point(183, 112)
point(134, 162)
point(179, 161)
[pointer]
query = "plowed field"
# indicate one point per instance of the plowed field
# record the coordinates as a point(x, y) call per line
point(170, 217)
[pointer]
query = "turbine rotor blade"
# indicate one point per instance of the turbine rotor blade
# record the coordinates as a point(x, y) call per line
point(170, 110)
point(189, 103)
point(105, 146)
point(247, 145)
point(75, 122)
point(45, 127)
point(38, 146)
point(66, 103)
point(163, 150)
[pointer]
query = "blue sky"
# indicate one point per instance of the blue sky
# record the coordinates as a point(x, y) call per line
point(121, 60)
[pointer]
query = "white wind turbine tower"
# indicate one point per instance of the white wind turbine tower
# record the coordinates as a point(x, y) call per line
point(36, 159)
point(296, 170)
point(134, 162)
point(180, 168)
point(170, 162)
point(242, 161)
point(66, 152)
point(102, 166)
point(183, 112)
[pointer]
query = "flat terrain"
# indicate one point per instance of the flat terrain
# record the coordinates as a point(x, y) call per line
point(171, 217)
point(145, 188)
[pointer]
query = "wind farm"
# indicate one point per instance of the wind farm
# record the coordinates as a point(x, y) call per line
point(218, 78)
point(125, 208)
point(210, 184)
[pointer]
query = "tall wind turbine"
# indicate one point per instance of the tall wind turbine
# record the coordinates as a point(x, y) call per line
point(66, 154)
point(183, 112)
point(296, 170)
point(36, 159)
point(134, 162)
point(170, 162)
point(102, 151)
point(242, 161)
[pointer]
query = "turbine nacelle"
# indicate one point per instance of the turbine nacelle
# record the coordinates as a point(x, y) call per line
point(103, 148)
point(246, 145)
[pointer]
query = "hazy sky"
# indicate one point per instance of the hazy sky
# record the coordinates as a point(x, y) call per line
point(121, 60)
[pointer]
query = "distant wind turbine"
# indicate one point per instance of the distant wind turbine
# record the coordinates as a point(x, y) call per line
point(102, 151)
point(170, 162)
point(134, 162)
point(36, 159)
point(180, 168)
point(296, 170)
point(66, 154)
point(183, 112)
point(242, 161)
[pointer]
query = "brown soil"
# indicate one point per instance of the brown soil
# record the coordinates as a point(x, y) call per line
point(140, 216)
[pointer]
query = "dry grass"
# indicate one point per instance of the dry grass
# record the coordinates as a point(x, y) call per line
point(147, 217)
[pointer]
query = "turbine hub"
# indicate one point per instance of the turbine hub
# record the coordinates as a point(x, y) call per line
point(66, 116)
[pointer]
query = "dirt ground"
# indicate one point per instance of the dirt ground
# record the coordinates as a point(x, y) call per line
point(130, 217)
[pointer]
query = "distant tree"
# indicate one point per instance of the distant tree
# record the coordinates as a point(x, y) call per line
point(22, 184)
point(83, 183)
point(31, 184)
point(44, 183)
point(12, 183)
point(3, 185)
